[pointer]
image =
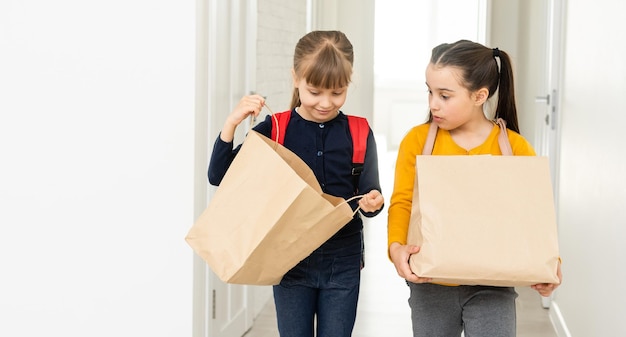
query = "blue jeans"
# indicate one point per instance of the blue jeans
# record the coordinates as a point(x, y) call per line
point(443, 311)
point(325, 286)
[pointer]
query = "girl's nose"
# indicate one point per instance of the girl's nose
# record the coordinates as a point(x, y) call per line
point(325, 101)
point(432, 104)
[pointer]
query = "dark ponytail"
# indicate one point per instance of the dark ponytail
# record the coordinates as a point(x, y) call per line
point(506, 109)
point(482, 67)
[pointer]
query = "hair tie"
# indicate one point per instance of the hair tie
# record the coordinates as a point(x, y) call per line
point(496, 57)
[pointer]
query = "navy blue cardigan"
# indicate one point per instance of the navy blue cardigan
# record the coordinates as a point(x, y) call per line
point(326, 148)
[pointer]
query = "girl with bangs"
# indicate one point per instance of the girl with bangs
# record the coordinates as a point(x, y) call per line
point(318, 297)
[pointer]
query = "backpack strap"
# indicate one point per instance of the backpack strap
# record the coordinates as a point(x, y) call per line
point(359, 130)
point(279, 127)
point(503, 139)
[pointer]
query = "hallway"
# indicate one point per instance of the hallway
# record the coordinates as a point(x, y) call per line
point(383, 308)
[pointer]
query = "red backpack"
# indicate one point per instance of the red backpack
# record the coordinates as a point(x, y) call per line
point(359, 130)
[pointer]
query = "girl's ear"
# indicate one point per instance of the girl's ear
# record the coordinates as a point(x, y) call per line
point(295, 78)
point(481, 95)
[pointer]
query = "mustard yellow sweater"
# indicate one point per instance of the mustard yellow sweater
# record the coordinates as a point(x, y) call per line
point(411, 146)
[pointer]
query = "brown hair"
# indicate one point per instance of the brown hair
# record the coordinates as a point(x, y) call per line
point(324, 59)
point(479, 69)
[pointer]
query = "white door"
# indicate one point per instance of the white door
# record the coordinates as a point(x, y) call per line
point(548, 50)
point(224, 30)
point(547, 99)
point(228, 306)
point(229, 309)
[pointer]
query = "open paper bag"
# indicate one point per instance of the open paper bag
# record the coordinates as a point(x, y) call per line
point(484, 220)
point(268, 214)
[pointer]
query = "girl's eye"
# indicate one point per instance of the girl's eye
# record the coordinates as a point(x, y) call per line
point(337, 93)
point(314, 93)
point(444, 97)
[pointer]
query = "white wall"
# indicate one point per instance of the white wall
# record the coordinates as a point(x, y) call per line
point(280, 25)
point(592, 185)
point(96, 144)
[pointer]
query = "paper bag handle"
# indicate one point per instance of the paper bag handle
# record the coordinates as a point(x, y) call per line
point(358, 207)
point(503, 139)
point(253, 118)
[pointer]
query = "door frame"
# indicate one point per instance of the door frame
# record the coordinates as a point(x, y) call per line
point(225, 71)
point(551, 130)
point(547, 103)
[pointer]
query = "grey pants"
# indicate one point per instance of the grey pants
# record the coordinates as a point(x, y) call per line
point(480, 311)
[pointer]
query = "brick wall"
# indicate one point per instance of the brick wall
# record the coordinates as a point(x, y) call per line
point(280, 25)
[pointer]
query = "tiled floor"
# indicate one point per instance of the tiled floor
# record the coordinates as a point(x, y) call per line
point(383, 308)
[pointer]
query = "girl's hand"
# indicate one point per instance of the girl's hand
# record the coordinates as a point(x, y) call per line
point(546, 289)
point(371, 201)
point(400, 255)
point(248, 105)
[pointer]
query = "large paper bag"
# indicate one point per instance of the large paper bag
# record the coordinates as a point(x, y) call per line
point(484, 220)
point(268, 214)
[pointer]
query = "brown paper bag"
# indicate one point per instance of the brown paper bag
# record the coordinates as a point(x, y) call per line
point(268, 214)
point(484, 220)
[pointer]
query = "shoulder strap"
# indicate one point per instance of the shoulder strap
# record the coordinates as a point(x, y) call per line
point(430, 139)
point(281, 119)
point(359, 130)
point(503, 139)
